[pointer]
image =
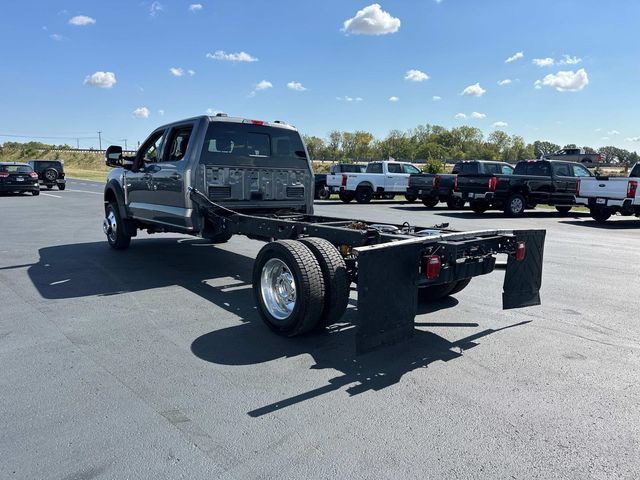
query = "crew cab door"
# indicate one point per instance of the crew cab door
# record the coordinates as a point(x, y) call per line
point(138, 182)
point(395, 178)
point(170, 177)
point(564, 183)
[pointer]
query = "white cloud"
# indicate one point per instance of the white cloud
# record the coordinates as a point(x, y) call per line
point(543, 62)
point(569, 60)
point(613, 132)
point(346, 98)
point(500, 125)
point(358, 99)
point(460, 116)
point(101, 79)
point(195, 7)
point(537, 84)
point(568, 81)
point(155, 8)
point(56, 36)
point(191, 72)
point(474, 90)
point(436, 98)
point(81, 20)
point(633, 139)
point(478, 115)
point(514, 57)
point(371, 20)
point(176, 71)
point(141, 112)
point(161, 112)
point(416, 76)
point(297, 86)
point(212, 111)
point(393, 99)
point(232, 57)
point(263, 85)
point(506, 81)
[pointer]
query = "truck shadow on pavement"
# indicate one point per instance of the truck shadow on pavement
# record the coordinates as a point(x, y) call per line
point(223, 278)
point(630, 224)
point(501, 215)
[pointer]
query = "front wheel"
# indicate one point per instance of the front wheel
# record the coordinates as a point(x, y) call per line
point(410, 198)
point(515, 205)
point(324, 193)
point(62, 186)
point(113, 228)
point(288, 287)
point(35, 193)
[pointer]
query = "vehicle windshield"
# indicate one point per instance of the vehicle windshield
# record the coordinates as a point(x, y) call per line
point(635, 171)
point(16, 168)
point(248, 140)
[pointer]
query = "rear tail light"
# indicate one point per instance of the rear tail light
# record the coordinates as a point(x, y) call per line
point(254, 122)
point(632, 188)
point(521, 251)
point(344, 181)
point(432, 266)
point(4, 174)
point(599, 158)
point(455, 183)
point(33, 175)
point(578, 187)
point(436, 181)
point(493, 181)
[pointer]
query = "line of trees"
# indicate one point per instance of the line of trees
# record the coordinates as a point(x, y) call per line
point(433, 143)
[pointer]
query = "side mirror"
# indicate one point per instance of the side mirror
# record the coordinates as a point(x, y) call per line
point(113, 156)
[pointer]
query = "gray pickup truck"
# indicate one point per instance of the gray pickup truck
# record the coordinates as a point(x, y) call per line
point(574, 155)
point(216, 177)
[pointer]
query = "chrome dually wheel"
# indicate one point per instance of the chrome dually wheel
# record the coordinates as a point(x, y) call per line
point(278, 288)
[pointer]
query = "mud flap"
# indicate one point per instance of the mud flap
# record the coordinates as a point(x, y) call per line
point(522, 280)
point(387, 295)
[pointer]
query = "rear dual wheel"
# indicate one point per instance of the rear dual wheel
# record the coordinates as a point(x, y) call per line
point(430, 202)
point(300, 285)
point(437, 292)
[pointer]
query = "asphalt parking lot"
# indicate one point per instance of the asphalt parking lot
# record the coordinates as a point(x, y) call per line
point(153, 363)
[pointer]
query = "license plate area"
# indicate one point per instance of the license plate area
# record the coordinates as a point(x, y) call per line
point(601, 201)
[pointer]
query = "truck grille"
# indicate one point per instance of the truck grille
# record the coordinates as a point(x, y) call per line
point(219, 193)
point(295, 192)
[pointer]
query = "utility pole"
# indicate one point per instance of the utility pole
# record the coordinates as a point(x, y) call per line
point(78, 143)
point(125, 143)
point(100, 140)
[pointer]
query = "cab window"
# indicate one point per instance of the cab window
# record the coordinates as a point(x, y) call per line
point(580, 171)
point(178, 143)
point(374, 168)
point(152, 148)
point(410, 169)
point(394, 167)
point(506, 169)
point(562, 170)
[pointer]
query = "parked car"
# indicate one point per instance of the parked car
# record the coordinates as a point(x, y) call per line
point(574, 155)
point(380, 180)
point(609, 195)
point(432, 188)
point(322, 190)
point(50, 173)
point(533, 182)
point(216, 177)
point(18, 177)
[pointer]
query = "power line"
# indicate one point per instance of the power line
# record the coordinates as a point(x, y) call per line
point(47, 137)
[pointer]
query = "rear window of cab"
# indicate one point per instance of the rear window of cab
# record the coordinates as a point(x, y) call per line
point(16, 168)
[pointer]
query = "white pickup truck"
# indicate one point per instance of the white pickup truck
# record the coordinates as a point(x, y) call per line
point(380, 180)
point(609, 195)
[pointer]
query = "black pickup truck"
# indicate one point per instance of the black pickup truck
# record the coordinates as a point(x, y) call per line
point(216, 177)
point(322, 190)
point(432, 188)
point(549, 182)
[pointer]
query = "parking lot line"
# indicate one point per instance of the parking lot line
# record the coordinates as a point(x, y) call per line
point(51, 195)
point(84, 191)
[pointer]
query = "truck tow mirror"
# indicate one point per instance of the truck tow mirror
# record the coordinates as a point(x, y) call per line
point(113, 156)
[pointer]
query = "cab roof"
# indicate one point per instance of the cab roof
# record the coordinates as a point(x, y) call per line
point(223, 118)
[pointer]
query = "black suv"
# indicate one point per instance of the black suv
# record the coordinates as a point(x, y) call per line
point(18, 177)
point(50, 173)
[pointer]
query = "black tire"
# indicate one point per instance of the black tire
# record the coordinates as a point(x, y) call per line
point(220, 238)
point(364, 194)
point(564, 209)
point(345, 197)
point(515, 205)
point(461, 285)
point(410, 198)
point(478, 206)
point(309, 287)
point(430, 202)
point(62, 186)
point(50, 174)
point(600, 215)
point(455, 203)
point(324, 194)
point(336, 279)
point(49, 187)
point(117, 238)
point(435, 292)
point(35, 193)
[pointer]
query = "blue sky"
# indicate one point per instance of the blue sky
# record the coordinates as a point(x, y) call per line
point(50, 52)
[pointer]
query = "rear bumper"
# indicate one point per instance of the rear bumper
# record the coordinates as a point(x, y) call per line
point(29, 187)
point(488, 196)
point(57, 181)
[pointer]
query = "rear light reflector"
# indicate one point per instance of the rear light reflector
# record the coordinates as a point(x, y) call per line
point(632, 188)
point(578, 187)
point(455, 183)
point(33, 175)
point(521, 251)
point(432, 266)
point(4, 174)
point(344, 181)
point(257, 122)
point(493, 181)
point(436, 181)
